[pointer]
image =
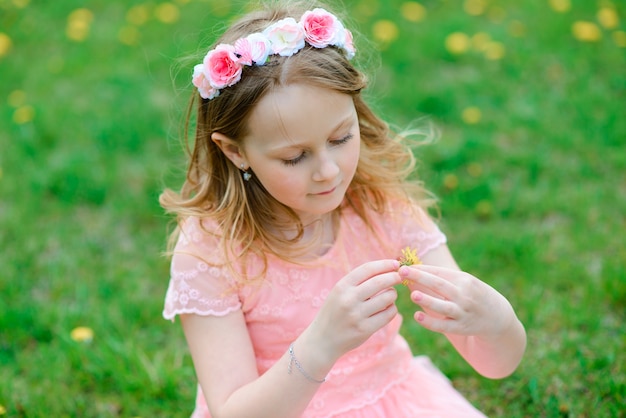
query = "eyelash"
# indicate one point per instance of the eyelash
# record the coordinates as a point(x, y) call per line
point(299, 158)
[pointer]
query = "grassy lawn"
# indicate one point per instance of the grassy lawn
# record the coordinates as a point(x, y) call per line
point(530, 169)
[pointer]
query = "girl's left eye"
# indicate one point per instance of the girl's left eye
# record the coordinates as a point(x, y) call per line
point(342, 140)
point(294, 161)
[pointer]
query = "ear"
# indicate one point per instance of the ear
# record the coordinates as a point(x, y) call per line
point(231, 149)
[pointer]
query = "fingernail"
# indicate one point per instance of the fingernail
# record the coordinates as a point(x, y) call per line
point(396, 264)
point(420, 316)
point(417, 296)
point(404, 271)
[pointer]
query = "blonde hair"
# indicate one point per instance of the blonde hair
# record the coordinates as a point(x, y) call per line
point(243, 210)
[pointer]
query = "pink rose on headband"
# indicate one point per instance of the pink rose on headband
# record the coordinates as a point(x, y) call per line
point(321, 28)
point(286, 37)
point(202, 83)
point(221, 66)
point(253, 48)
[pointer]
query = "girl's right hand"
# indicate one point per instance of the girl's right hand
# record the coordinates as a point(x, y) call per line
point(359, 304)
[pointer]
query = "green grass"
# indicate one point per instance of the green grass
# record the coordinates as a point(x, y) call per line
point(533, 196)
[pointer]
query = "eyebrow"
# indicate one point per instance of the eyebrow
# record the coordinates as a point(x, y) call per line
point(299, 145)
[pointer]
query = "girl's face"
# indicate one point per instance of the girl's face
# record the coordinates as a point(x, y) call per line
point(304, 147)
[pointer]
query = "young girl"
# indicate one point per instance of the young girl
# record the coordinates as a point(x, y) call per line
point(290, 224)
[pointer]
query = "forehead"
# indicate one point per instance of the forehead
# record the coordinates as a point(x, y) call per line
point(298, 113)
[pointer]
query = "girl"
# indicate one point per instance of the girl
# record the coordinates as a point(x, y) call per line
point(290, 223)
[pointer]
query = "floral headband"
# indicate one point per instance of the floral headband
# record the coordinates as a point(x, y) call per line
point(222, 66)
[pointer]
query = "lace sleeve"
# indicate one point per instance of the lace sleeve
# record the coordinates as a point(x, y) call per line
point(197, 284)
point(407, 224)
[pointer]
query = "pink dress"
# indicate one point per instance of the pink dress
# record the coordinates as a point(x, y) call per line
point(379, 379)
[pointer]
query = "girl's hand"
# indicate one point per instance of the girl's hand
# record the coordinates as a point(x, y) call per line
point(455, 302)
point(359, 304)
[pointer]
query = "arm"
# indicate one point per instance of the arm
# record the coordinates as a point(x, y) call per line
point(360, 304)
point(479, 322)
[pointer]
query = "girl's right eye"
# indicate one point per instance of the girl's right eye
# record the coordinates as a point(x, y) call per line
point(294, 161)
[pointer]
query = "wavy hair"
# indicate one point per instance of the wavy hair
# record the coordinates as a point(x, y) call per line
point(243, 210)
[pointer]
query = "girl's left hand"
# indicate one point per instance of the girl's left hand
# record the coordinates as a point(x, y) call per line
point(455, 302)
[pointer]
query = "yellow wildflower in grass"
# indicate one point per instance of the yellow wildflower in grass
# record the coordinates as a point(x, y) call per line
point(138, 15)
point(494, 51)
point(608, 17)
point(480, 41)
point(385, 31)
point(82, 334)
point(457, 43)
point(586, 31)
point(474, 169)
point(450, 181)
point(78, 24)
point(560, 6)
point(3, 410)
point(23, 114)
point(20, 4)
point(16, 98)
point(167, 13)
point(128, 35)
point(475, 7)
point(5, 44)
point(619, 37)
point(471, 115)
point(409, 258)
point(413, 11)
point(517, 29)
point(483, 209)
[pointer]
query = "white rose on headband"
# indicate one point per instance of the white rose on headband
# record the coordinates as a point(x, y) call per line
point(202, 83)
point(286, 37)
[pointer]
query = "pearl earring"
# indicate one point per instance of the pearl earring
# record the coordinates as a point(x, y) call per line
point(246, 176)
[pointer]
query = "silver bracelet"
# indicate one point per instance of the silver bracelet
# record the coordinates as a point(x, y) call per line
point(294, 360)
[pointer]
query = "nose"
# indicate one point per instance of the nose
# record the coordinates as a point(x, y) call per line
point(326, 169)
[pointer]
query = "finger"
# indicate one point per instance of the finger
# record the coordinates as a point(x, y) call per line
point(445, 308)
point(379, 283)
point(432, 323)
point(435, 283)
point(380, 302)
point(380, 318)
point(371, 269)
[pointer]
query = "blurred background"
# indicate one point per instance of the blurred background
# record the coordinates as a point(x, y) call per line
point(530, 171)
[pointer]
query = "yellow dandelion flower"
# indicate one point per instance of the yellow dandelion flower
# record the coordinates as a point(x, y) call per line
point(474, 169)
point(608, 17)
point(78, 24)
point(409, 257)
point(128, 35)
point(5, 44)
point(16, 98)
point(450, 181)
point(20, 4)
point(413, 11)
point(167, 13)
point(497, 14)
point(23, 114)
point(484, 209)
point(457, 43)
point(517, 29)
point(560, 6)
point(385, 31)
point(138, 15)
point(471, 115)
point(480, 41)
point(3, 410)
point(82, 334)
point(586, 31)
point(494, 51)
point(619, 37)
point(475, 7)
